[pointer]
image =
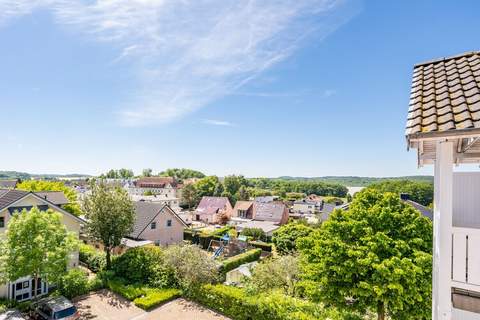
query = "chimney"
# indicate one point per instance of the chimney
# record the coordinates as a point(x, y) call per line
point(404, 196)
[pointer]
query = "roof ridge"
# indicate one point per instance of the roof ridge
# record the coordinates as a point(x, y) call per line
point(447, 58)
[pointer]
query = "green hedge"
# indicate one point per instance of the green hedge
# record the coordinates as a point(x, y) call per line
point(143, 297)
point(93, 258)
point(236, 304)
point(155, 297)
point(238, 260)
point(262, 245)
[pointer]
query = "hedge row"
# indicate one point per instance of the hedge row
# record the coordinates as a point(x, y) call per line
point(238, 260)
point(236, 304)
point(93, 258)
point(262, 245)
point(143, 297)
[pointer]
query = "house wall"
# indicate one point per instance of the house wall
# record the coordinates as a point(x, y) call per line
point(304, 208)
point(458, 314)
point(70, 223)
point(162, 234)
point(466, 202)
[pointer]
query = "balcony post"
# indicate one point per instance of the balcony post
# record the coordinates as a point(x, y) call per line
point(442, 232)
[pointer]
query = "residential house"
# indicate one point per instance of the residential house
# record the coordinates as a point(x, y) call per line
point(263, 214)
point(173, 203)
point(12, 201)
point(443, 125)
point(160, 186)
point(243, 209)
point(304, 206)
point(210, 209)
point(8, 184)
point(157, 223)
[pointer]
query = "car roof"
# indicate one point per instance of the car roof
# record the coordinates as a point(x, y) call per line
point(57, 303)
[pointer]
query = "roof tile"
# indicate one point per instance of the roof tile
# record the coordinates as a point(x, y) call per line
point(445, 95)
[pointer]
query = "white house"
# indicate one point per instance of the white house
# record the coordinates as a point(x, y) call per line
point(444, 127)
point(17, 200)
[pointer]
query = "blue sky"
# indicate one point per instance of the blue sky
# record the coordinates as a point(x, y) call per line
point(260, 88)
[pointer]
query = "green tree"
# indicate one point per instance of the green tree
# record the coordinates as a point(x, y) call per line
point(206, 186)
point(349, 198)
point(147, 172)
point(243, 193)
point(276, 273)
point(285, 238)
point(233, 183)
point(110, 216)
point(37, 244)
point(112, 174)
point(125, 173)
point(421, 192)
point(189, 196)
point(230, 197)
point(181, 174)
point(217, 192)
point(376, 256)
point(192, 266)
point(41, 185)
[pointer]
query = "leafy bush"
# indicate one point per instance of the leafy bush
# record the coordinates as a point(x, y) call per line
point(421, 192)
point(261, 245)
point(94, 259)
point(144, 265)
point(155, 297)
point(235, 303)
point(254, 233)
point(192, 266)
point(285, 238)
point(74, 283)
point(6, 304)
point(238, 260)
point(142, 296)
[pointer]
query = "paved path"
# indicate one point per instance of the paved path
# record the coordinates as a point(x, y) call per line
point(11, 315)
point(106, 305)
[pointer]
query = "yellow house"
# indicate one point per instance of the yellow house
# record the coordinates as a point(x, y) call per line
point(12, 200)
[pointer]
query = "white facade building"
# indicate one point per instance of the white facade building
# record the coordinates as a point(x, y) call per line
point(444, 126)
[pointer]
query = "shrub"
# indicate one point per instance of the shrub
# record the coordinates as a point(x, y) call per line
point(261, 245)
point(144, 265)
point(238, 260)
point(285, 238)
point(6, 304)
point(74, 283)
point(235, 303)
point(254, 233)
point(94, 259)
point(192, 266)
point(129, 292)
point(155, 297)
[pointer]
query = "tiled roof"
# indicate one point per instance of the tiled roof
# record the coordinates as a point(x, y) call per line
point(445, 95)
point(155, 182)
point(7, 197)
point(9, 184)
point(243, 205)
point(56, 197)
point(145, 212)
point(212, 205)
point(270, 211)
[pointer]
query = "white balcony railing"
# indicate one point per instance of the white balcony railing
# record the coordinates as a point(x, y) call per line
point(466, 258)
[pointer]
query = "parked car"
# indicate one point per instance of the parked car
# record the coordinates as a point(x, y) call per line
point(56, 308)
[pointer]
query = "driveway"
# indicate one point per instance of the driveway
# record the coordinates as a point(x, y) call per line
point(106, 305)
point(11, 315)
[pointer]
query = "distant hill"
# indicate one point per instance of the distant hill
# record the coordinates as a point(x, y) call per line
point(352, 181)
point(28, 176)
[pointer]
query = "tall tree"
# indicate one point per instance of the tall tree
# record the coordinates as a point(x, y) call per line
point(181, 174)
point(243, 193)
point(147, 172)
point(37, 244)
point(206, 186)
point(376, 256)
point(189, 195)
point(42, 185)
point(110, 216)
point(218, 190)
point(421, 192)
point(125, 173)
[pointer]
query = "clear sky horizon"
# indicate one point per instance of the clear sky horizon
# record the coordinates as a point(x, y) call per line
point(259, 88)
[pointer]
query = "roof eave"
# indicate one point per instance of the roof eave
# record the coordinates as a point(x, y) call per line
point(441, 135)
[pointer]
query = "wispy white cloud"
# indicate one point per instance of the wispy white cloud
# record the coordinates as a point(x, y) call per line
point(329, 92)
point(189, 53)
point(218, 123)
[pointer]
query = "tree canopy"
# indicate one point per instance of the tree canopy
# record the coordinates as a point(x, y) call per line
point(181, 174)
point(118, 174)
point(376, 256)
point(42, 185)
point(110, 216)
point(37, 244)
point(421, 192)
point(285, 238)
